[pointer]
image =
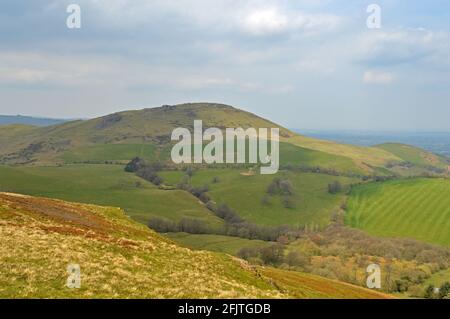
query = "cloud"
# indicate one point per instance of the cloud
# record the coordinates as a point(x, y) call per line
point(265, 21)
point(252, 17)
point(377, 77)
point(400, 46)
point(272, 20)
point(96, 71)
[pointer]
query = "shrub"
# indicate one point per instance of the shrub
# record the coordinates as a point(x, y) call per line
point(192, 226)
point(215, 180)
point(134, 165)
point(334, 187)
point(280, 187)
point(247, 253)
point(162, 225)
point(272, 254)
point(150, 175)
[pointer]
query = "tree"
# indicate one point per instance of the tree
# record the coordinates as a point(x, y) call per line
point(189, 171)
point(162, 225)
point(229, 215)
point(215, 180)
point(286, 187)
point(247, 253)
point(295, 259)
point(281, 187)
point(192, 226)
point(272, 188)
point(429, 292)
point(211, 206)
point(150, 175)
point(334, 187)
point(272, 254)
point(444, 291)
point(134, 165)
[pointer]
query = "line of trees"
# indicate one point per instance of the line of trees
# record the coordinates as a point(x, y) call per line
point(145, 170)
point(186, 225)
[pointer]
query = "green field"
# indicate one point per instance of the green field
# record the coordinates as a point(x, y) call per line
point(294, 155)
point(313, 204)
point(412, 208)
point(105, 185)
point(223, 244)
point(110, 185)
point(109, 152)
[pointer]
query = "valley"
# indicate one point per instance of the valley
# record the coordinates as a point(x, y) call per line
point(313, 227)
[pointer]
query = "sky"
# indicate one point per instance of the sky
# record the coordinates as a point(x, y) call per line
point(308, 64)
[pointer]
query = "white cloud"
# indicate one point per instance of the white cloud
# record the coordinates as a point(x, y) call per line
point(254, 17)
point(51, 70)
point(265, 21)
point(274, 20)
point(401, 46)
point(377, 77)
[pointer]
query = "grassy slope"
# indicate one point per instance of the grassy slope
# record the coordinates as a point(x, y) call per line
point(289, 154)
point(414, 208)
point(363, 157)
point(109, 152)
point(104, 185)
point(224, 244)
point(414, 155)
point(313, 203)
point(118, 258)
point(121, 259)
point(295, 155)
point(300, 285)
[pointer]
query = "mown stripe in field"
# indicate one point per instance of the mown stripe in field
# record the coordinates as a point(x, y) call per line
point(414, 208)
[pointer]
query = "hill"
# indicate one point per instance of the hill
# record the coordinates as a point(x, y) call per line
point(411, 208)
point(148, 126)
point(119, 258)
point(28, 120)
point(120, 136)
